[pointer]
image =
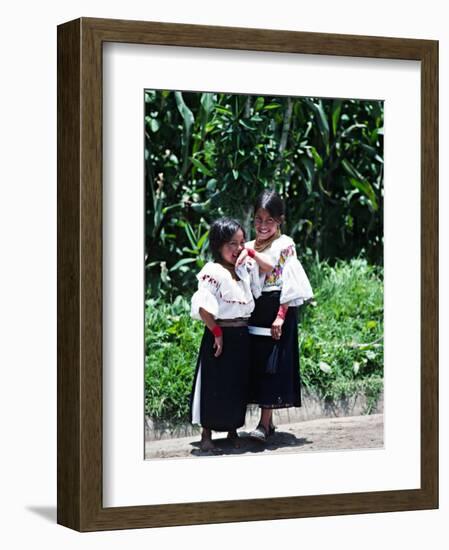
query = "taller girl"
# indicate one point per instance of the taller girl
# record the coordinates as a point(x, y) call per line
point(275, 381)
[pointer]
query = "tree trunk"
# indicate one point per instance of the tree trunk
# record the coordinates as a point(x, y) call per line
point(286, 125)
point(247, 222)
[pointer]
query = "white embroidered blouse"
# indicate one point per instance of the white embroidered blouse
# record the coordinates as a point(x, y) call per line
point(224, 297)
point(288, 275)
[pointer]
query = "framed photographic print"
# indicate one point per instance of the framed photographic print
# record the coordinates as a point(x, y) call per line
point(163, 129)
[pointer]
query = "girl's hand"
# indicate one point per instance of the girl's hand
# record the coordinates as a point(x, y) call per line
point(276, 328)
point(241, 258)
point(218, 345)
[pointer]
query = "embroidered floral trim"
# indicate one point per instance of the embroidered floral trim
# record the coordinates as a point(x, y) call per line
point(233, 301)
point(209, 279)
point(275, 277)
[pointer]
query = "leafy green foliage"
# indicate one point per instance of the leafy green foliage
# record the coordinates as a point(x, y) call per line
point(211, 154)
point(340, 336)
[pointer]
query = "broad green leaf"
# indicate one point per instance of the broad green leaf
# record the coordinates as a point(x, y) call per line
point(188, 120)
point(201, 206)
point(223, 110)
point(321, 119)
point(351, 170)
point(150, 95)
point(306, 133)
point(211, 185)
point(245, 125)
point(207, 102)
point(310, 169)
point(259, 104)
point(316, 157)
point(202, 240)
point(185, 112)
point(201, 167)
point(372, 151)
point(367, 190)
point(351, 128)
point(272, 106)
point(336, 110)
point(154, 125)
point(373, 135)
point(190, 234)
point(171, 207)
point(182, 262)
point(207, 105)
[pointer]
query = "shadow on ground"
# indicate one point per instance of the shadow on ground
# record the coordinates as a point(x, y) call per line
point(247, 445)
point(46, 512)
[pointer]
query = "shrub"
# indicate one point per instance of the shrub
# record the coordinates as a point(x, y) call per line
point(341, 332)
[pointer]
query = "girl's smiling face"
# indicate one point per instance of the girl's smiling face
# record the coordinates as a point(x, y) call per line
point(266, 226)
point(230, 251)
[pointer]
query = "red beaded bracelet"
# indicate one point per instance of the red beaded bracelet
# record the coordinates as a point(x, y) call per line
point(216, 331)
point(251, 252)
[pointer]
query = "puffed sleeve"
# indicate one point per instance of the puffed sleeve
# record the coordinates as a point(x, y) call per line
point(206, 295)
point(296, 287)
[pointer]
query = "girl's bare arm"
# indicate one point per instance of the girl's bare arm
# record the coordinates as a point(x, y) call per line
point(262, 260)
point(210, 323)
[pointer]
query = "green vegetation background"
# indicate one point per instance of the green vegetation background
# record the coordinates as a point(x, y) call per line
point(208, 155)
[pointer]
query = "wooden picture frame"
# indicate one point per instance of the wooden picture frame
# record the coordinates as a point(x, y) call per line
point(80, 350)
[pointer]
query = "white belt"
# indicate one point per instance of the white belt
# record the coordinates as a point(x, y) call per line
point(259, 331)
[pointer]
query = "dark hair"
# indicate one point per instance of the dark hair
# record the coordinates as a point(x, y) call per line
point(269, 200)
point(221, 232)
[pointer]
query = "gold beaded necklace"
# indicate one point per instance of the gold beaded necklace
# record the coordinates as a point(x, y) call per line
point(260, 246)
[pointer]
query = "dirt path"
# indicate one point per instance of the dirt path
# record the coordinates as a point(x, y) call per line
point(355, 432)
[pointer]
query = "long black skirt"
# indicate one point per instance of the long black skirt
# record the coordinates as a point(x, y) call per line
point(220, 386)
point(274, 378)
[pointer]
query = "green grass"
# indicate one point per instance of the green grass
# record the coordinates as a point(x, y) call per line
point(341, 331)
point(340, 335)
point(172, 341)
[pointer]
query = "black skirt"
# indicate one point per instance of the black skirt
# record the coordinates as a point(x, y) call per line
point(223, 381)
point(274, 378)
